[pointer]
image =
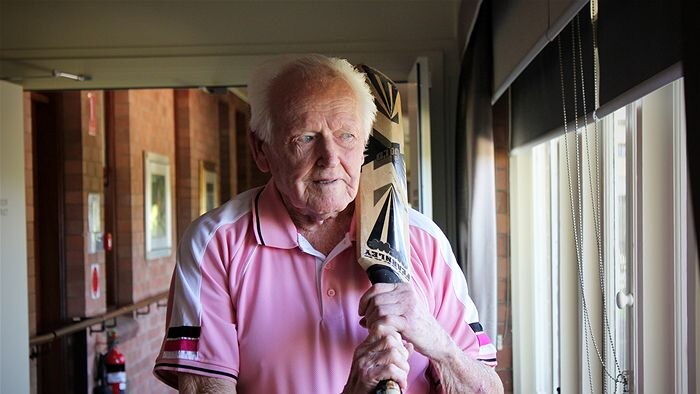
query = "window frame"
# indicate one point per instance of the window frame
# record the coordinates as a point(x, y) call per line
point(647, 200)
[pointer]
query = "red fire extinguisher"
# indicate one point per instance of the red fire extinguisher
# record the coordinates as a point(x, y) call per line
point(115, 366)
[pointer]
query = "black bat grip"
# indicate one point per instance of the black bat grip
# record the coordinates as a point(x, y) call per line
point(382, 274)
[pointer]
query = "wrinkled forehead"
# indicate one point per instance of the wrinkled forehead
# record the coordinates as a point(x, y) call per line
point(296, 88)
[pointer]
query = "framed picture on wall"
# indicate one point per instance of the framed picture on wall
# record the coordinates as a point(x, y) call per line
point(157, 205)
point(208, 187)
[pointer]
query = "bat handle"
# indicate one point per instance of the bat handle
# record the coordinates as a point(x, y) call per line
point(379, 273)
point(387, 387)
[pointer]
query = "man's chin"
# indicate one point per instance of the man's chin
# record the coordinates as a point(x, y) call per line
point(329, 210)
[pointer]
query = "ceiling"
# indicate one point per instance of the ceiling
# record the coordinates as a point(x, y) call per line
point(121, 44)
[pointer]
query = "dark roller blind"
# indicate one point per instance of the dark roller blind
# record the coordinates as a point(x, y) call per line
point(637, 40)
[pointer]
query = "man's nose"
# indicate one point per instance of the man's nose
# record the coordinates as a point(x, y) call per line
point(328, 152)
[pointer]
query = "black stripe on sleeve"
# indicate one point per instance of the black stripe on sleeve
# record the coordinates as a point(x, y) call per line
point(257, 216)
point(487, 360)
point(230, 375)
point(476, 327)
point(184, 332)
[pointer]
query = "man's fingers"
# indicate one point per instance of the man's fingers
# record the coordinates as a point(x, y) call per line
point(372, 293)
point(391, 372)
point(409, 347)
point(382, 325)
point(375, 313)
point(381, 357)
point(389, 361)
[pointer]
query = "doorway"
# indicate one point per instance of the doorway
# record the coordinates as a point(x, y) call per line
point(61, 362)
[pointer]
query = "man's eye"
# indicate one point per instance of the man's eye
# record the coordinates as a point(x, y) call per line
point(347, 136)
point(305, 139)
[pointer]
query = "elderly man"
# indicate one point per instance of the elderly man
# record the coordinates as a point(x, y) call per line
point(267, 295)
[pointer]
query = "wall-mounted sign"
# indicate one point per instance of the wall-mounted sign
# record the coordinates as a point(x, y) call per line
point(92, 123)
point(94, 281)
point(94, 236)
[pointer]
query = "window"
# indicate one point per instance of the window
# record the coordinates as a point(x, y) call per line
point(623, 210)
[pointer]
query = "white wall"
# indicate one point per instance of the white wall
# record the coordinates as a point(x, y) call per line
point(14, 324)
point(657, 242)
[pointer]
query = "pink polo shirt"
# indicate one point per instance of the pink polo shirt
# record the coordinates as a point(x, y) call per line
point(252, 301)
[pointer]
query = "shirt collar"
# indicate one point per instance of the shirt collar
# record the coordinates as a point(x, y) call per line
point(273, 226)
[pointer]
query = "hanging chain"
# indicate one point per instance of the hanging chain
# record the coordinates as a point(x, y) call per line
point(595, 205)
point(587, 329)
point(596, 63)
point(574, 212)
point(577, 214)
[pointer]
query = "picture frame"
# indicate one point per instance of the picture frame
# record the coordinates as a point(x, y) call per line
point(157, 206)
point(94, 235)
point(208, 187)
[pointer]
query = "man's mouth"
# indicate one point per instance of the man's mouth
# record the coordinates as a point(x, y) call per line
point(325, 181)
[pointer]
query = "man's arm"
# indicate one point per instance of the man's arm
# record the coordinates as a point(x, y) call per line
point(399, 307)
point(459, 373)
point(197, 384)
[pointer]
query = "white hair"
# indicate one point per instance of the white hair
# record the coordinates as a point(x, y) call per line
point(309, 65)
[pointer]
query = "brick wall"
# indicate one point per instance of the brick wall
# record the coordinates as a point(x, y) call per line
point(31, 259)
point(204, 123)
point(123, 179)
point(197, 130)
point(199, 137)
point(90, 170)
point(92, 174)
point(226, 165)
point(152, 129)
point(183, 141)
point(144, 121)
point(74, 203)
point(247, 172)
point(83, 165)
point(182, 125)
point(501, 148)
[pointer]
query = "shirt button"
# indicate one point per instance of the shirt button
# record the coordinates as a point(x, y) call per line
point(331, 293)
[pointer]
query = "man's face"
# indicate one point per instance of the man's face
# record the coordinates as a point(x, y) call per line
point(317, 146)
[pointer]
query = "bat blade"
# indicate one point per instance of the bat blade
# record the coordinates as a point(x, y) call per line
point(382, 231)
point(382, 203)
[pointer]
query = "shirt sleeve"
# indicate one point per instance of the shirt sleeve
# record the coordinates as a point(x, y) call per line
point(447, 288)
point(458, 314)
point(201, 336)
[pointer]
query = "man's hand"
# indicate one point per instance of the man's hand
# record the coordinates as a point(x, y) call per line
point(398, 306)
point(381, 356)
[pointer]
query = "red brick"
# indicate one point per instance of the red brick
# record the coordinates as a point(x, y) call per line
point(501, 159)
point(501, 201)
point(503, 268)
point(503, 246)
point(501, 286)
point(503, 223)
point(501, 180)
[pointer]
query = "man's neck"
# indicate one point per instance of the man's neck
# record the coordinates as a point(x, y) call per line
point(323, 235)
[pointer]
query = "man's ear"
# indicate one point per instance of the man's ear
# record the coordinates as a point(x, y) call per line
point(256, 148)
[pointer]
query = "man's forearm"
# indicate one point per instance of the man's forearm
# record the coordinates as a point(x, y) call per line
point(461, 374)
point(196, 384)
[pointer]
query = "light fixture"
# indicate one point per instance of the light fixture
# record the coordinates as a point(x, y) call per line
point(74, 77)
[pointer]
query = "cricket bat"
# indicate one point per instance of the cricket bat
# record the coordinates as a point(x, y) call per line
point(382, 203)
